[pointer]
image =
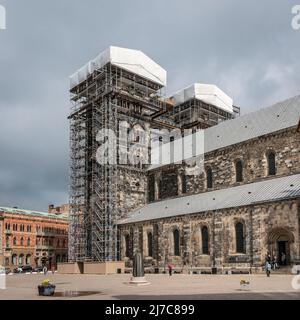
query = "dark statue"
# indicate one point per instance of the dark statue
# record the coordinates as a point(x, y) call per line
point(138, 266)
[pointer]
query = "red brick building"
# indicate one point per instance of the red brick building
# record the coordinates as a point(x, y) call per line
point(32, 238)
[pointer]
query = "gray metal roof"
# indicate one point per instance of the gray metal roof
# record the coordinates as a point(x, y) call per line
point(263, 191)
point(277, 117)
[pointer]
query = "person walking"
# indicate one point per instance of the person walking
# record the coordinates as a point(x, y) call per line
point(268, 268)
point(53, 269)
point(274, 263)
point(45, 270)
point(170, 267)
point(283, 259)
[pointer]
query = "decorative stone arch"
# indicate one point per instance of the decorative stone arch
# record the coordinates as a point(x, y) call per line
point(281, 240)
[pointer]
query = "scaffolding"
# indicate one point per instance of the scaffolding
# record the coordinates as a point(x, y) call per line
point(119, 85)
point(106, 97)
point(195, 113)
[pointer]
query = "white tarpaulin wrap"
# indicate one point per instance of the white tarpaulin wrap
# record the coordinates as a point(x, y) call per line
point(208, 93)
point(134, 61)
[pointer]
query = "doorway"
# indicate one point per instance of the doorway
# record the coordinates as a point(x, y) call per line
point(283, 253)
point(280, 241)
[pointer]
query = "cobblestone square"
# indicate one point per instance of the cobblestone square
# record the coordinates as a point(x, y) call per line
point(162, 287)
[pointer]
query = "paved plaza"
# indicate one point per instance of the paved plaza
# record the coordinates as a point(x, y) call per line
point(162, 287)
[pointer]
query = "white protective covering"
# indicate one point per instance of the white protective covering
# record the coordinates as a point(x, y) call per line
point(209, 93)
point(131, 60)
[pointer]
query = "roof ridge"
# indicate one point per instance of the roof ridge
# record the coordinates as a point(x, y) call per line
point(263, 109)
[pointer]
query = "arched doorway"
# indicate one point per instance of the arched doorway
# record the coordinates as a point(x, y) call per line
point(280, 241)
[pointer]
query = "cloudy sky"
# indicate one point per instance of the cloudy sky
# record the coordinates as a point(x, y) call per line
point(247, 48)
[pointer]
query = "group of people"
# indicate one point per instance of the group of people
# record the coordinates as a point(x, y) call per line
point(273, 263)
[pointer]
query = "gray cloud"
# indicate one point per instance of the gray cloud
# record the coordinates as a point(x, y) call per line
point(248, 48)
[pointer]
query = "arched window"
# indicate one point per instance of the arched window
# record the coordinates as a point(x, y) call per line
point(240, 238)
point(21, 259)
point(209, 178)
point(22, 241)
point(28, 259)
point(15, 241)
point(14, 259)
point(28, 242)
point(176, 239)
point(150, 243)
point(127, 246)
point(7, 242)
point(271, 163)
point(205, 240)
point(239, 171)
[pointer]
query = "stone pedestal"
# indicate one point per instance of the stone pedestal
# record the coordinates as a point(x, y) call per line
point(138, 270)
point(139, 281)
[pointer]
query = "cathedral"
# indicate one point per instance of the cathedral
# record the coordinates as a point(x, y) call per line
point(242, 206)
